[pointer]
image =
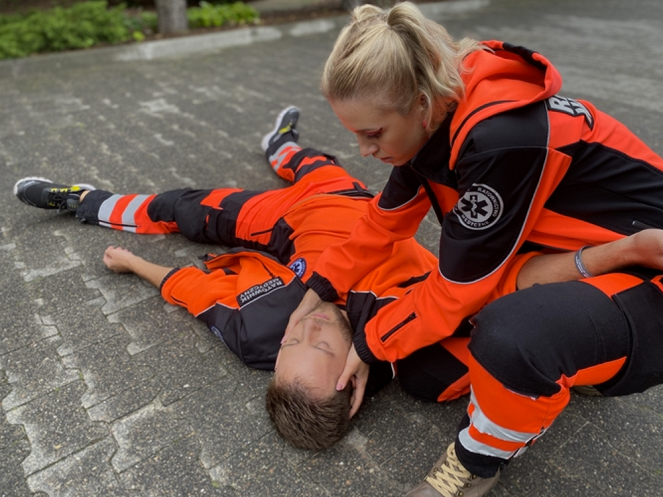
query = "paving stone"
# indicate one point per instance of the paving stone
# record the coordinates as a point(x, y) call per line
point(261, 469)
point(34, 371)
point(107, 369)
point(11, 296)
point(174, 471)
point(80, 330)
point(87, 472)
point(126, 401)
point(651, 399)
point(33, 265)
point(55, 426)
point(24, 326)
point(146, 401)
point(219, 415)
point(121, 293)
point(181, 368)
point(14, 447)
point(145, 432)
point(640, 434)
point(344, 471)
point(606, 472)
point(151, 322)
point(48, 292)
point(12, 481)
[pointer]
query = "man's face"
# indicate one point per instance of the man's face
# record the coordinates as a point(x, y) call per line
point(315, 350)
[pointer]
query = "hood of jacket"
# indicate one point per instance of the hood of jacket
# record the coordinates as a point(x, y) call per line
point(497, 80)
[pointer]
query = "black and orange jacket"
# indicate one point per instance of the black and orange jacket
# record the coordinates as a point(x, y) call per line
point(246, 296)
point(245, 299)
point(516, 166)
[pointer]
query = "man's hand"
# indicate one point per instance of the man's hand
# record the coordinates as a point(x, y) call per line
point(119, 259)
point(308, 303)
point(355, 371)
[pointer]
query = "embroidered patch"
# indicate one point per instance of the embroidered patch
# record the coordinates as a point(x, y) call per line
point(217, 332)
point(258, 290)
point(479, 208)
point(298, 267)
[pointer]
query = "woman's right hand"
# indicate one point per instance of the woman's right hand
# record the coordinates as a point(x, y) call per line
point(308, 303)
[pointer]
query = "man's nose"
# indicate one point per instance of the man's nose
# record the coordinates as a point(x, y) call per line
point(311, 327)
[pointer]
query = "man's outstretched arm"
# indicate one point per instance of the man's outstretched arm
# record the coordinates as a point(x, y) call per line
point(121, 260)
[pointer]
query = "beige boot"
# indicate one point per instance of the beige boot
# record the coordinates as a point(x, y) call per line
point(449, 478)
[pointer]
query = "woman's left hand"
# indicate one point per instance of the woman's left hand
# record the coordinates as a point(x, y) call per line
point(355, 371)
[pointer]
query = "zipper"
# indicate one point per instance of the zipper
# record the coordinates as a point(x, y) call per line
point(640, 225)
point(386, 336)
point(257, 233)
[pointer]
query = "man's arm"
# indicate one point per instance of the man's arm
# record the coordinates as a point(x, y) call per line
point(644, 248)
point(122, 261)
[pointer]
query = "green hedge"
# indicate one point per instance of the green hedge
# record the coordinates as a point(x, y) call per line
point(209, 15)
point(91, 23)
point(80, 26)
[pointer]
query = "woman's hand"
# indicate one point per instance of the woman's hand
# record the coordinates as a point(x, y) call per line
point(355, 371)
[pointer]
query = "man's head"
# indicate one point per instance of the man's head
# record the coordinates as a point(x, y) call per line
point(302, 399)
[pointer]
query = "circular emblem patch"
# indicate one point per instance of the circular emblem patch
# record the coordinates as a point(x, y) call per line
point(298, 266)
point(479, 208)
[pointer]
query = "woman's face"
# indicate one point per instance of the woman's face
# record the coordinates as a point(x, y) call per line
point(387, 135)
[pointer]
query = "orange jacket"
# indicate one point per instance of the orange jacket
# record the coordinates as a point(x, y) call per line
point(514, 163)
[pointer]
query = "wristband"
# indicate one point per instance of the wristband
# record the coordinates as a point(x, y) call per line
point(580, 266)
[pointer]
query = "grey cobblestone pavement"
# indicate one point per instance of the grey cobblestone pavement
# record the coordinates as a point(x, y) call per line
point(106, 390)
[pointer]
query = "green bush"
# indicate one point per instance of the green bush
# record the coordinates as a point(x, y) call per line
point(90, 23)
point(80, 26)
point(209, 15)
point(141, 24)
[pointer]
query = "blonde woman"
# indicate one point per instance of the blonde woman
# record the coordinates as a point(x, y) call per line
point(479, 132)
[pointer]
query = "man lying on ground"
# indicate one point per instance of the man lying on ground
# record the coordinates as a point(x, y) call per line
point(247, 295)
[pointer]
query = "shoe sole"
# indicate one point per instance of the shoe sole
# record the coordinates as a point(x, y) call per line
point(85, 186)
point(265, 139)
point(38, 178)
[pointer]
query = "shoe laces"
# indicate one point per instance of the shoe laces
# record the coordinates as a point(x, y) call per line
point(285, 129)
point(451, 477)
point(59, 197)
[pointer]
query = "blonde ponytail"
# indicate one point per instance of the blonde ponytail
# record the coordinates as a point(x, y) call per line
point(394, 56)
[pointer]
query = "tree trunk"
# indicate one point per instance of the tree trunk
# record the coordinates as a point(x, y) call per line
point(172, 16)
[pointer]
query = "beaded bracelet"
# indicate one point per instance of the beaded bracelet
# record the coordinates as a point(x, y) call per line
point(580, 266)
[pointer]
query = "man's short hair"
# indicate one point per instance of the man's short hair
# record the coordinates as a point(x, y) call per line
point(303, 420)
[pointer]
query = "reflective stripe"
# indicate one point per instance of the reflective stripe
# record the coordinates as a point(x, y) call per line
point(106, 209)
point(481, 423)
point(278, 157)
point(129, 214)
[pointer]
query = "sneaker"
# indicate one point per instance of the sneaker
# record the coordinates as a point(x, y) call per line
point(44, 194)
point(285, 127)
point(449, 478)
